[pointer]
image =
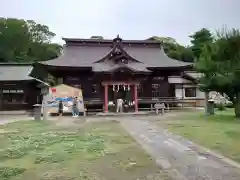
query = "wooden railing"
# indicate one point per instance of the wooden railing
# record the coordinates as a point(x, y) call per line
point(158, 99)
point(140, 99)
point(94, 101)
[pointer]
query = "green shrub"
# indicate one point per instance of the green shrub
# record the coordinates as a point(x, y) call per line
point(229, 105)
point(220, 107)
point(8, 172)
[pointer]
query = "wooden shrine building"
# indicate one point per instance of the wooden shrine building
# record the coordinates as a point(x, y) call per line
point(137, 71)
point(18, 90)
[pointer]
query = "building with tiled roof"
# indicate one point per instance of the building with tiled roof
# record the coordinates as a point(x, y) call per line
point(138, 71)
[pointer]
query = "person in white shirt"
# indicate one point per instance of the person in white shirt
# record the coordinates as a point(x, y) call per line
point(119, 105)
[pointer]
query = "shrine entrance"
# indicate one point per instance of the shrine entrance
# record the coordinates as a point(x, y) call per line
point(126, 91)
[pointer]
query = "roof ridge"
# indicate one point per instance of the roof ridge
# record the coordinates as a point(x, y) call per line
point(16, 63)
point(110, 40)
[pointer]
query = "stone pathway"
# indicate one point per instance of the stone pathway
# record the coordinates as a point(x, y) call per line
point(181, 158)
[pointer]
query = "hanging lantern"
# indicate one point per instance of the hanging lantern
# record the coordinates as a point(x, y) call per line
point(113, 87)
point(128, 87)
point(124, 87)
point(117, 87)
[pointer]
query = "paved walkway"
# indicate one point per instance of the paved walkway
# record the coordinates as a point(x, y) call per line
point(181, 158)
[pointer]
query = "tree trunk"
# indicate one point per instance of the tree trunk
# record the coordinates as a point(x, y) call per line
point(237, 105)
point(206, 102)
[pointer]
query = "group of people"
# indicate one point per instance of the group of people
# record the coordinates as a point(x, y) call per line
point(74, 104)
point(75, 110)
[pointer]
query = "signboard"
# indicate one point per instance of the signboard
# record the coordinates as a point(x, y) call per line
point(66, 94)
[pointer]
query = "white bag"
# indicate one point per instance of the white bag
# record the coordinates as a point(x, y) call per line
point(65, 108)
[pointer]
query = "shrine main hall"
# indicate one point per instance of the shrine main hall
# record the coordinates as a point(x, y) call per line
point(138, 71)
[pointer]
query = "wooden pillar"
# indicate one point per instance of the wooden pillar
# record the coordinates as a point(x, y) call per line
point(135, 97)
point(105, 98)
point(1, 96)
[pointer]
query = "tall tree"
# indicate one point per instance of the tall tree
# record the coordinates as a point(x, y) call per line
point(220, 63)
point(14, 40)
point(39, 33)
point(175, 50)
point(24, 41)
point(199, 39)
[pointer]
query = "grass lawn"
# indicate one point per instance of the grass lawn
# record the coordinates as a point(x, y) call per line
point(220, 132)
point(94, 151)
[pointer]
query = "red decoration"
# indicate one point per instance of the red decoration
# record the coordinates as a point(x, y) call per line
point(54, 90)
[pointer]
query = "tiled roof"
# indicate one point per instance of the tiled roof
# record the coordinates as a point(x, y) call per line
point(79, 56)
point(194, 75)
point(86, 55)
point(15, 73)
point(154, 57)
point(103, 67)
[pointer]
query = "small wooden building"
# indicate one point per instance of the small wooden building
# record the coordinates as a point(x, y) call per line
point(18, 90)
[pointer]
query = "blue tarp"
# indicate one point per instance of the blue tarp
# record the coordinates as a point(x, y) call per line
point(64, 99)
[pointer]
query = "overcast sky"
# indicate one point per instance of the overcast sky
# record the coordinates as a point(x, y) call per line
point(131, 19)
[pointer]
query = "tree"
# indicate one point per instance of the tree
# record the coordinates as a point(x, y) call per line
point(26, 41)
point(97, 37)
point(175, 50)
point(39, 33)
point(199, 39)
point(220, 63)
point(167, 40)
point(14, 40)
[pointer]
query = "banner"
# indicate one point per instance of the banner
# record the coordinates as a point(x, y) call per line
point(66, 94)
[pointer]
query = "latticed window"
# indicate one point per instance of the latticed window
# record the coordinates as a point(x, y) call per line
point(155, 90)
point(139, 90)
point(13, 96)
point(190, 92)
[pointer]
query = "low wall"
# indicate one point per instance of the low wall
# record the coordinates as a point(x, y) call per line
point(192, 102)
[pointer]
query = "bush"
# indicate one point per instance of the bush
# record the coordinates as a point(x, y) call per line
point(9, 172)
point(220, 106)
point(229, 105)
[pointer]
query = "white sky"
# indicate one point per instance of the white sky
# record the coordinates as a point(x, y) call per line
point(131, 19)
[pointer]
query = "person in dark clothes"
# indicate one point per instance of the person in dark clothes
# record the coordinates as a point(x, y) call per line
point(60, 108)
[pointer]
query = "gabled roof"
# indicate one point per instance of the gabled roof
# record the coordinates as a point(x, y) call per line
point(15, 73)
point(78, 56)
point(154, 57)
point(106, 67)
point(91, 52)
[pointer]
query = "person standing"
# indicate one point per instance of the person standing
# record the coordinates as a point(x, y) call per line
point(119, 105)
point(60, 108)
point(75, 107)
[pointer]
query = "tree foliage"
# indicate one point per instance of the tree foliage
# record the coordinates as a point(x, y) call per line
point(26, 41)
point(199, 39)
point(220, 63)
point(175, 50)
point(97, 37)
